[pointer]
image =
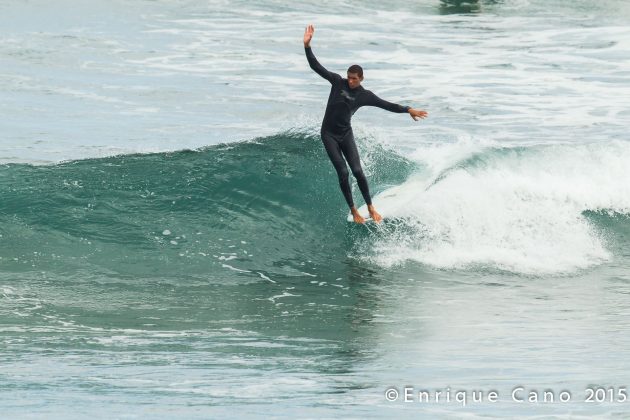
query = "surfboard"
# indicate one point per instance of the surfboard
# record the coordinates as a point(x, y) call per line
point(367, 218)
point(385, 203)
point(363, 212)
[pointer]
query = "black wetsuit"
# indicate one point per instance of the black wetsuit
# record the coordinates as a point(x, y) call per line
point(336, 131)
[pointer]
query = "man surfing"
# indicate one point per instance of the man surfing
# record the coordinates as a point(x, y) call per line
point(346, 96)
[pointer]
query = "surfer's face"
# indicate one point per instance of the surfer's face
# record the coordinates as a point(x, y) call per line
point(354, 81)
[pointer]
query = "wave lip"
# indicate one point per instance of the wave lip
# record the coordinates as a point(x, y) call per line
point(517, 209)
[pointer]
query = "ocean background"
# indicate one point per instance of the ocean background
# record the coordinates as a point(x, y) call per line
point(174, 243)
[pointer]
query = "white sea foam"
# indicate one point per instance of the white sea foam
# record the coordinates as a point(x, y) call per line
point(174, 76)
point(515, 209)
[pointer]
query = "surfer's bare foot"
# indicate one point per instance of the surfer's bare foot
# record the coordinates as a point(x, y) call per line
point(356, 216)
point(374, 214)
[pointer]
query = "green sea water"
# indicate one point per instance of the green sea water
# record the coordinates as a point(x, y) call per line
point(174, 244)
point(225, 282)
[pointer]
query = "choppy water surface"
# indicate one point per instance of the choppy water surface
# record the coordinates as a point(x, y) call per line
point(173, 243)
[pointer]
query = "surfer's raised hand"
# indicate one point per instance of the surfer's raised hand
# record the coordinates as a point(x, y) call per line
point(308, 35)
point(417, 114)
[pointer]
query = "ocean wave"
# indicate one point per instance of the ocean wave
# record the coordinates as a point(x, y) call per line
point(255, 209)
point(522, 209)
point(264, 208)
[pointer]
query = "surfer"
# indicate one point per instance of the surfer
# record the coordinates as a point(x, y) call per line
point(346, 96)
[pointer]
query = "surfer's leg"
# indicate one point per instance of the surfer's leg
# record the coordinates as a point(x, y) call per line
point(334, 153)
point(349, 149)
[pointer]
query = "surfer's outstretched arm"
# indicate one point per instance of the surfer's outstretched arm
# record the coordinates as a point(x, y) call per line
point(312, 61)
point(374, 100)
point(417, 114)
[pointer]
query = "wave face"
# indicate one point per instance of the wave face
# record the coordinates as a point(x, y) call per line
point(261, 208)
point(532, 210)
point(269, 207)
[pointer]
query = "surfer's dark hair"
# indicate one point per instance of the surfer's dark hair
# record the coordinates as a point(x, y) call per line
point(356, 69)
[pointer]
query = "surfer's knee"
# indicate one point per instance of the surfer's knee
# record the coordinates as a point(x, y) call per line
point(358, 173)
point(343, 174)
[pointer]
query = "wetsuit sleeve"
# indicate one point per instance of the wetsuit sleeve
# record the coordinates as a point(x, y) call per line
point(373, 100)
point(319, 69)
